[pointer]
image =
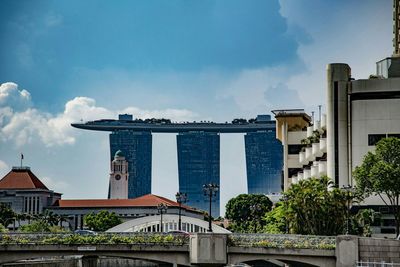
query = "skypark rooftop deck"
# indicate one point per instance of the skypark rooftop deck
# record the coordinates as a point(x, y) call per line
point(165, 126)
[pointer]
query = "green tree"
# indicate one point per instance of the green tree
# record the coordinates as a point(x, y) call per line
point(275, 220)
point(36, 226)
point(379, 174)
point(315, 207)
point(102, 221)
point(246, 212)
point(6, 214)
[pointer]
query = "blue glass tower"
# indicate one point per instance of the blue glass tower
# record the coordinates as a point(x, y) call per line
point(137, 148)
point(264, 161)
point(198, 164)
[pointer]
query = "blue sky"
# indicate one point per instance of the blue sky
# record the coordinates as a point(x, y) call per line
point(63, 61)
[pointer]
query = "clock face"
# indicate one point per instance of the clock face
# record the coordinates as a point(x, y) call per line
point(117, 177)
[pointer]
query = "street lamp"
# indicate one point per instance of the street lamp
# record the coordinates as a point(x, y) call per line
point(180, 198)
point(162, 208)
point(210, 190)
point(348, 189)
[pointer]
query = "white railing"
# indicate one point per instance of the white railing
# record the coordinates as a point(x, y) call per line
point(322, 145)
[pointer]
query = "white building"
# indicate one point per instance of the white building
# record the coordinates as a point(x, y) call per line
point(359, 114)
point(119, 177)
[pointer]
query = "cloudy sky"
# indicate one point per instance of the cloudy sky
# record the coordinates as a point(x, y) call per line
point(63, 61)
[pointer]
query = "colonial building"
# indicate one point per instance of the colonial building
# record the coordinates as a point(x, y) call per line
point(126, 209)
point(25, 193)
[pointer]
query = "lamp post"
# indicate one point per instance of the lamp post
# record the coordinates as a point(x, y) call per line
point(180, 198)
point(210, 190)
point(162, 208)
point(348, 189)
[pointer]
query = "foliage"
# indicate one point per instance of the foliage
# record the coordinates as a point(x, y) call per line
point(282, 241)
point(3, 229)
point(36, 226)
point(276, 220)
point(315, 207)
point(379, 174)
point(102, 221)
point(246, 212)
point(74, 239)
point(6, 214)
point(361, 222)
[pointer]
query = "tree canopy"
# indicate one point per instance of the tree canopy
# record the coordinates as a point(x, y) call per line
point(246, 212)
point(315, 207)
point(102, 221)
point(6, 214)
point(379, 174)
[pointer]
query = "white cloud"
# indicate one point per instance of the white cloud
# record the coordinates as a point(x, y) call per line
point(12, 97)
point(30, 125)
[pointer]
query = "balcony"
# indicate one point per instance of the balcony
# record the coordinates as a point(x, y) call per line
point(309, 154)
point(316, 151)
point(322, 145)
point(294, 179)
point(306, 173)
point(322, 168)
point(314, 170)
point(310, 130)
point(299, 176)
point(302, 158)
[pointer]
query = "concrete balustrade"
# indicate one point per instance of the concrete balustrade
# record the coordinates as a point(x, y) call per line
point(322, 145)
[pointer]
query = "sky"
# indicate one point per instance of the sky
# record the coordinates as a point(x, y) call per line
point(65, 61)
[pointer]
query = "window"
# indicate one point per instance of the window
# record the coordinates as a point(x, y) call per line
point(294, 149)
point(375, 138)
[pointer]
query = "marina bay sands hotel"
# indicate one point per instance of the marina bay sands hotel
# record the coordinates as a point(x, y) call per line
point(198, 145)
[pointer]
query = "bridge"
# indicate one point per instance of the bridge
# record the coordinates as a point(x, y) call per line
point(203, 249)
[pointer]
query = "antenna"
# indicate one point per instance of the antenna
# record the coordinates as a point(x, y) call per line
point(396, 28)
point(319, 110)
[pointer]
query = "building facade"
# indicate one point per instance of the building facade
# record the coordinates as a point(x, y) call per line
point(137, 148)
point(199, 164)
point(24, 193)
point(264, 163)
point(126, 209)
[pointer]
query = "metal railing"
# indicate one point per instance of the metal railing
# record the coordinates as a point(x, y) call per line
point(376, 264)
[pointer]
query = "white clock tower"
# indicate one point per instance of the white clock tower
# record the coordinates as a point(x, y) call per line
point(119, 177)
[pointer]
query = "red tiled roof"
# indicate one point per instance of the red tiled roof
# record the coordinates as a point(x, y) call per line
point(21, 178)
point(143, 201)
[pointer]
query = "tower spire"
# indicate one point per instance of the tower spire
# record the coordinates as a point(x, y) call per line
point(396, 28)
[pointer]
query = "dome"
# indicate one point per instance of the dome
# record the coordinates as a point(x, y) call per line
point(119, 154)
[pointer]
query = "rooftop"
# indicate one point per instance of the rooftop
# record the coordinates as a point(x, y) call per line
point(21, 178)
point(149, 200)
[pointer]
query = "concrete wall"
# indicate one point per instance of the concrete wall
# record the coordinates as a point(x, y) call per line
point(378, 250)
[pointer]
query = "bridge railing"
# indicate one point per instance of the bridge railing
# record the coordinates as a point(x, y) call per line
point(282, 241)
point(175, 239)
point(376, 264)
